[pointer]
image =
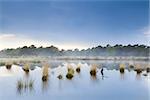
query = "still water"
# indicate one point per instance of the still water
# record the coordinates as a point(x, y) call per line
point(112, 85)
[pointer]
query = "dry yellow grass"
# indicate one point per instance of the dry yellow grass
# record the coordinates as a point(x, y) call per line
point(70, 73)
point(138, 69)
point(78, 69)
point(45, 72)
point(93, 70)
point(121, 68)
point(26, 67)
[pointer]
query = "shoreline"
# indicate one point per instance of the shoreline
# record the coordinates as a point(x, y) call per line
point(37, 58)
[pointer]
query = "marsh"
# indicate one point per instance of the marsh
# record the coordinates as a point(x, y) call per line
point(112, 84)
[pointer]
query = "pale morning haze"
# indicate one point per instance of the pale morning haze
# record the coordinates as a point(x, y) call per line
point(73, 24)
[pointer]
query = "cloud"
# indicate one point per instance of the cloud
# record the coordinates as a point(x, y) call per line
point(14, 41)
point(6, 36)
point(146, 31)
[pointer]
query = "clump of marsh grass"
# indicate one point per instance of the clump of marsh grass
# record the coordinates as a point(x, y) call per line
point(26, 68)
point(8, 66)
point(70, 73)
point(70, 69)
point(122, 68)
point(148, 69)
point(131, 66)
point(60, 76)
point(78, 68)
point(138, 69)
point(45, 72)
point(93, 70)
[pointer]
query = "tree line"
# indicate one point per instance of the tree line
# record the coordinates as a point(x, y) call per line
point(108, 50)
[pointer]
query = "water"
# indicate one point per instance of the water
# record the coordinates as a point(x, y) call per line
point(111, 86)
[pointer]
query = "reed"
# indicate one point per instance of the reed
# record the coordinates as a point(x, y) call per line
point(93, 70)
point(70, 73)
point(121, 68)
point(148, 69)
point(26, 68)
point(8, 66)
point(138, 69)
point(78, 68)
point(45, 72)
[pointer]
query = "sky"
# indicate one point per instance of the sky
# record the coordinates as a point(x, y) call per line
point(73, 24)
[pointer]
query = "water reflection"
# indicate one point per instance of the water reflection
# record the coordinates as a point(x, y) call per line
point(138, 76)
point(24, 86)
point(45, 86)
point(106, 74)
point(122, 76)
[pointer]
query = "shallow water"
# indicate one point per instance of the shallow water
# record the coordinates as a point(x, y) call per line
point(111, 86)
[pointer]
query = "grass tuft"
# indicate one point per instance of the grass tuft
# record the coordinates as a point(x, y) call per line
point(26, 68)
point(122, 68)
point(70, 73)
point(78, 68)
point(138, 69)
point(93, 70)
point(147, 69)
point(8, 66)
point(60, 76)
point(45, 72)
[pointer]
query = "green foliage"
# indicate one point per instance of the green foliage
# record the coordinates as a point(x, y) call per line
point(117, 50)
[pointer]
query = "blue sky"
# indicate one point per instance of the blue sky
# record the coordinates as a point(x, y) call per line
point(73, 24)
